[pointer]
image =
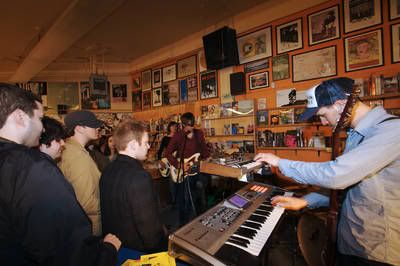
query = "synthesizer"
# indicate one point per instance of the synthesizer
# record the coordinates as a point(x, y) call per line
point(243, 222)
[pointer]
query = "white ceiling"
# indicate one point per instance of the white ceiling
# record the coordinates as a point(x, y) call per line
point(43, 35)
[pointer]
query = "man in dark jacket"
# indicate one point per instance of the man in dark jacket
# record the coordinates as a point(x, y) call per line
point(127, 199)
point(41, 222)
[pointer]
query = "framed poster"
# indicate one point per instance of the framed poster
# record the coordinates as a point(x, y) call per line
point(146, 80)
point(323, 26)
point(259, 80)
point(208, 85)
point(119, 93)
point(201, 58)
point(137, 101)
point(280, 67)
point(315, 64)
point(360, 14)
point(136, 82)
point(192, 88)
point(395, 37)
point(394, 9)
point(157, 97)
point(289, 36)
point(169, 73)
point(146, 99)
point(256, 65)
point(363, 50)
point(254, 46)
point(156, 78)
point(187, 66)
point(183, 91)
point(172, 88)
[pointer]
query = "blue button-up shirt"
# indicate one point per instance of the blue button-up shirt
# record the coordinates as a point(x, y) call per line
point(369, 224)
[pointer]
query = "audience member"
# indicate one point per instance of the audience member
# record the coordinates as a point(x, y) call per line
point(128, 202)
point(78, 166)
point(41, 222)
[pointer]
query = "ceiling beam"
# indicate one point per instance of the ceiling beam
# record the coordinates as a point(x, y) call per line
point(78, 19)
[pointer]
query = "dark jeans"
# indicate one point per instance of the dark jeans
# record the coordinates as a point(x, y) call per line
point(345, 260)
point(197, 185)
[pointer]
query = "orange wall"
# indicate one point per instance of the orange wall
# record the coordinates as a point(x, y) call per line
point(388, 68)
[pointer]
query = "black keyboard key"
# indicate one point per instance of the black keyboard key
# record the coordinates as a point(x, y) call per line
point(252, 225)
point(240, 239)
point(240, 243)
point(256, 218)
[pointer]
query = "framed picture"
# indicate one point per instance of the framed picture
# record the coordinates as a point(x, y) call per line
point(119, 93)
point(208, 85)
point(146, 80)
point(137, 100)
point(394, 9)
point(183, 89)
point(187, 66)
point(363, 50)
point(395, 40)
point(157, 97)
point(360, 14)
point(156, 78)
point(170, 92)
point(146, 99)
point(315, 64)
point(280, 67)
point(169, 73)
point(192, 88)
point(289, 36)
point(323, 26)
point(136, 82)
point(256, 65)
point(259, 80)
point(201, 58)
point(254, 46)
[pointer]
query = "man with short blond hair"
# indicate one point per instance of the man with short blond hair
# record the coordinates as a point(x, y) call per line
point(128, 202)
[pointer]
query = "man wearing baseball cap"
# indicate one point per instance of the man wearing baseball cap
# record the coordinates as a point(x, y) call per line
point(77, 165)
point(369, 169)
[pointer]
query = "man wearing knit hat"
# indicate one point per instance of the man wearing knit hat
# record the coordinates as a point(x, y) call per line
point(77, 165)
point(369, 169)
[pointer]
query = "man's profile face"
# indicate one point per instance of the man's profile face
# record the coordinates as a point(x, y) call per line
point(328, 115)
point(34, 127)
point(143, 147)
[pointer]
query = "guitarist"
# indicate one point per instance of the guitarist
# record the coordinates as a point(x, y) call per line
point(190, 194)
point(368, 170)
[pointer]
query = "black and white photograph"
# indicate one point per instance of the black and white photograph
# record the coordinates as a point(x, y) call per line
point(323, 26)
point(208, 85)
point(119, 93)
point(169, 73)
point(156, 78)
point(146, 99)
point(289, 36)
point(360, 14)
point(156, 97)
point(280, 67)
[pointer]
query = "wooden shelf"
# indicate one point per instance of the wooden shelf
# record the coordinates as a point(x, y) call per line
point(381, 96)
point(226, 136)
point(291, 125)
point(228, 117)
point(283, 108)
point(295, 148)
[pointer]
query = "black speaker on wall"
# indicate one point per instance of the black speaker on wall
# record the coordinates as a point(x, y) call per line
point(238, 85)
point(220, 48)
